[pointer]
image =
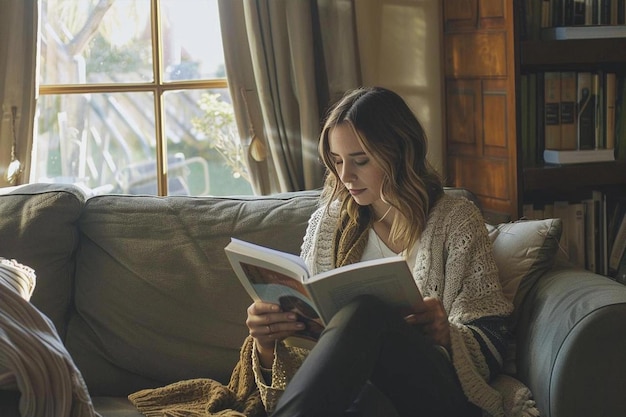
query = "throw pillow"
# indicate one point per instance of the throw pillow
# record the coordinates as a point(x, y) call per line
point(19, 277)
point(524, 250)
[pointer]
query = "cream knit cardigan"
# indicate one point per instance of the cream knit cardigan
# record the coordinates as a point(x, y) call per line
point(453, 262)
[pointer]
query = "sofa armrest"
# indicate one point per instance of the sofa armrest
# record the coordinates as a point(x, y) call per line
point(571, 344)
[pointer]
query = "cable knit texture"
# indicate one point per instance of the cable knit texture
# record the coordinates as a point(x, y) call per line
point(464, 277)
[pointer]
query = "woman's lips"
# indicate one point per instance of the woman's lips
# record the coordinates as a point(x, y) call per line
point(356, 191)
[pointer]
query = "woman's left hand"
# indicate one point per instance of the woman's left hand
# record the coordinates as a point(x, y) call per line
point(433, 320)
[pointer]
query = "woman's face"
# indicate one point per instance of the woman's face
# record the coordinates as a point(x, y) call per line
point(358, 172)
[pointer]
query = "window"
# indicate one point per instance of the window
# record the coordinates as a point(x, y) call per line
point(134, 99)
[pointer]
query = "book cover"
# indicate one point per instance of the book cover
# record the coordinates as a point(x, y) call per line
point(609, 106)
point(620, 120)
point(552, 156)
point(576, 233)
point(597, 92)
point(603, 258)
point(282, 278)
point(561, 211)
point(620, 275)
point(583, 32)
point(618, 248)
point(568, 110)
point(552, 109)
point(592, 238)
point(578, 12)
point(586, 111)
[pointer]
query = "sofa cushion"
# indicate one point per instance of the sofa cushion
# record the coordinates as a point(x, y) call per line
point(524, 250)
point(38, 229)
point(156, 299)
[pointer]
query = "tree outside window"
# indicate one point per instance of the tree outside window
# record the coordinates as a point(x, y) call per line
point(134, 99)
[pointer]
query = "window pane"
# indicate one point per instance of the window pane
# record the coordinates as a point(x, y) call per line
point(192, 41)
point(80, 44)
point(203, 143)
point(96, 140)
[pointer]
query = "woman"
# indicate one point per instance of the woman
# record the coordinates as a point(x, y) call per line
point(382, 198)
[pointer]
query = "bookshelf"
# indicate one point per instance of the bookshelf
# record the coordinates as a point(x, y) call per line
point(487, 134)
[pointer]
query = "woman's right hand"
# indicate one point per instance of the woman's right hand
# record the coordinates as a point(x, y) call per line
point(267, 323)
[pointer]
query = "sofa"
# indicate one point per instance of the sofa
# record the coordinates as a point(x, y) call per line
point(141, 293)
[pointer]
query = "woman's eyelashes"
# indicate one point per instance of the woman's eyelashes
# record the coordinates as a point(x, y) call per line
point(357, 162)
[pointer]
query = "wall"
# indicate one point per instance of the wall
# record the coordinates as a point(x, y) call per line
point(399, 43)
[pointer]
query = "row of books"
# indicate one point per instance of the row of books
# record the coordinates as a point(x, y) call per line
point(594, 232)
point(573, 19)
point(572, 117)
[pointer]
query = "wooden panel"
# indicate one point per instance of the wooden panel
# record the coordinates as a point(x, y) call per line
point(485, 177)
point(481, 54)
point(492, 8)
point(460, 13)
point(463, 112)
point(495, 116)
point(479, 66)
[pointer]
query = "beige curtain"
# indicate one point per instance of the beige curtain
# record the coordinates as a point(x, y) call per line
point(18, 87)
point(283, 72)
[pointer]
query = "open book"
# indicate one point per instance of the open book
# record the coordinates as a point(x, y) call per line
point(282, 278)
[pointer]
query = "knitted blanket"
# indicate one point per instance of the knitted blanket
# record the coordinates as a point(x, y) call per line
point(205, 397)
point(33, 359)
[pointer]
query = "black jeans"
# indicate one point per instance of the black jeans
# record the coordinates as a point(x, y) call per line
point(366, 342)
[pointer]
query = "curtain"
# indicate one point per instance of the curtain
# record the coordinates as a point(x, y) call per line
point(286, 61)
point(18, 88)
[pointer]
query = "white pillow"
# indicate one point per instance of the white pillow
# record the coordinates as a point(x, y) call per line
point(524, 250)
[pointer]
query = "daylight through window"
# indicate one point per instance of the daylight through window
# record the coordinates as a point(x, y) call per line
point(134, 99)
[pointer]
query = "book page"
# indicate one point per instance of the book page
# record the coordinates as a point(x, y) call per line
point(389, 279)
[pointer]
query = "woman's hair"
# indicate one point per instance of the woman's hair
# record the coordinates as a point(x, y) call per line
point(390, 133)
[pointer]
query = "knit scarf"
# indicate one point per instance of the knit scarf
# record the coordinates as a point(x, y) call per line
point(350, 239)
point(205, 397)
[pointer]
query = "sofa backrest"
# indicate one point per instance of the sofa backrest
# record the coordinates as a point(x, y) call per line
point(38, 229)
point(156, 299)
point(139, 287)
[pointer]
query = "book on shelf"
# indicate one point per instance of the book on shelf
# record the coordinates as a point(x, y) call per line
point(561, 211)
point(586, 111)
point(583, 32)
point(568, 110)
point(283, 278)
point(553, 156)
point(610, 85)
point(618, 247)
point(575, 223)
point(597, 91)
point(620, 120)
point(552, 109)
point(603, 263)
point(592, 234)
point(620, 275)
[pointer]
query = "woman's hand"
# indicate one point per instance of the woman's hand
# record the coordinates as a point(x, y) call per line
point(433, 320)
point(267, 323)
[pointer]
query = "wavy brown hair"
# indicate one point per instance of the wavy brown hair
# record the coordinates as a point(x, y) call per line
point(393, 137)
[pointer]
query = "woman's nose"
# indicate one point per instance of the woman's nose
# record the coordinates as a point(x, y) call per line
point(346, 175)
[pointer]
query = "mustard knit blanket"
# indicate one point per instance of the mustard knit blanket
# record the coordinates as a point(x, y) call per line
point(205, 397)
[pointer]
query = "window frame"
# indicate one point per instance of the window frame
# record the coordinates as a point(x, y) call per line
point(158, 87)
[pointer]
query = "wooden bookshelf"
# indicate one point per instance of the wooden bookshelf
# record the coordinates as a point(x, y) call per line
point(485, 61)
